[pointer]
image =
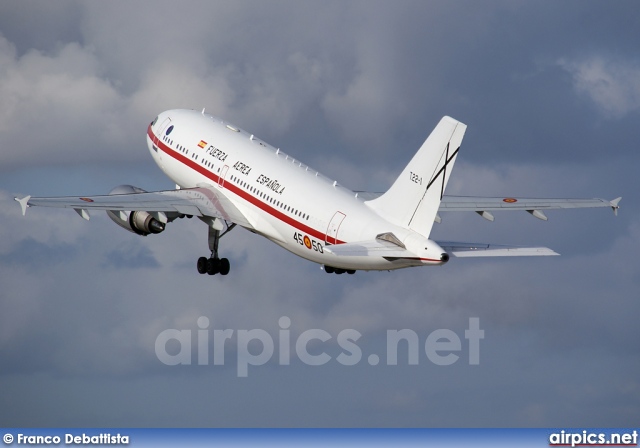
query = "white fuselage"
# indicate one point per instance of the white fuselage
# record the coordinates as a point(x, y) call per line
point(285, 201)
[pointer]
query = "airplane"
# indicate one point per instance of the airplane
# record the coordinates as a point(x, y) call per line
point(228, 177)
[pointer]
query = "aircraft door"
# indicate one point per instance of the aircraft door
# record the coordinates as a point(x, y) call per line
point(222, 175)
point(161, 130)
point(334, 226)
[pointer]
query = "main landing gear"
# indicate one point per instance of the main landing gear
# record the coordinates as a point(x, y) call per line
point(332, 270)
point(214, 264)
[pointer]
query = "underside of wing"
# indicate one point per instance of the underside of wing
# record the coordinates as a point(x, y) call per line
point(201, 201)
point(492, 250)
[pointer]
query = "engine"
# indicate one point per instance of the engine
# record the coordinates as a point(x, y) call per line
point(140, 222)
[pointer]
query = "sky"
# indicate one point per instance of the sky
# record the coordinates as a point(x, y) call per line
point(550, 92)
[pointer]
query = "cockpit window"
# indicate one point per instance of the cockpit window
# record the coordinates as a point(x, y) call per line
point(153, 123)
point(169, 129)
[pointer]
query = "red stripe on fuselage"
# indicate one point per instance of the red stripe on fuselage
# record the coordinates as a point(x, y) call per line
point(419, 259)
point(238, 191)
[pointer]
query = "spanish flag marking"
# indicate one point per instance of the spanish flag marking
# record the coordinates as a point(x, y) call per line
point(202, 144)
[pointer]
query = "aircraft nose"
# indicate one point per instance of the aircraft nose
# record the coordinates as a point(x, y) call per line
point(444, 257)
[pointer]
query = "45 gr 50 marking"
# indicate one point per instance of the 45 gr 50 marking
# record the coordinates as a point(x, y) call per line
point(304, 240)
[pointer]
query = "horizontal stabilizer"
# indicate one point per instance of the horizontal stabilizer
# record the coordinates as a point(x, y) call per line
point(493, 250)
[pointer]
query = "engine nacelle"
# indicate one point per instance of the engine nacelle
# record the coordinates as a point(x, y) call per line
point(139, 222)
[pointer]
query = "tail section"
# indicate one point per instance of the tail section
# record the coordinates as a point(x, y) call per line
point(414, 198)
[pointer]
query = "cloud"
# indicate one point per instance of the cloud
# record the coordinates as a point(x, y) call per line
point(354, 90)
point(613, 85)
point(128, 257)
point(100, 320)
point(56, 107)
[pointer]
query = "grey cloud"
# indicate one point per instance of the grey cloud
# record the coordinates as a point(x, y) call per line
point(127, 257)
point(353, 89)
point(380, 80)
point(30, 252)
point(31, 24)
point(613, 86)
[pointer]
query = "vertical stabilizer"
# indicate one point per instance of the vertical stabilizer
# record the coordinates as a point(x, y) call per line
point(414, 198)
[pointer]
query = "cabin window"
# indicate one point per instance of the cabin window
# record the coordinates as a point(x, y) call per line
point(169, 129)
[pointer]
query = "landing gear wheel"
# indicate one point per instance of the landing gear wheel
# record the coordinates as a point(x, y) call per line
point(332, 270)
point(202, 265)
point(225, 266)
point(213, 266)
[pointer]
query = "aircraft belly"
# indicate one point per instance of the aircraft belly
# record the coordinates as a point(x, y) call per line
point(264, 225)
point(180, 173)
point(365, 263)
point(370, 263)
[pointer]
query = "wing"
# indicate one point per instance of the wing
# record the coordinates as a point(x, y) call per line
point(201, 201)
point(484, 205)
point(466, 203)
point(532, 205)
point(492, 250)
